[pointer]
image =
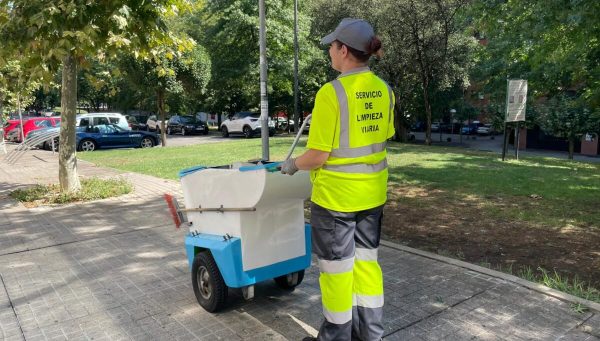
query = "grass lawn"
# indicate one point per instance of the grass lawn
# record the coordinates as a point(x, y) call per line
point(514, 216)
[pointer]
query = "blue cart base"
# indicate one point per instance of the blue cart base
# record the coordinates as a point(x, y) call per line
point(227, 253)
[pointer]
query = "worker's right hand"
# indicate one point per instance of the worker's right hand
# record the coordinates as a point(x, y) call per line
point(289, 166)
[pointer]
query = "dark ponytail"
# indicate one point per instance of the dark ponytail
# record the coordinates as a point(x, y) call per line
point(375, 47)
point(363, 57)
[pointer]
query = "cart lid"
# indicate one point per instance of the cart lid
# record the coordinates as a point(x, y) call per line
point(269, 167)
point(190, 170)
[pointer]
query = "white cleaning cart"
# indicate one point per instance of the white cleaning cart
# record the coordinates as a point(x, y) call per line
point(246, 225)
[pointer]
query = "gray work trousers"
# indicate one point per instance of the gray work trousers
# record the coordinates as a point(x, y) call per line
point(343, 236)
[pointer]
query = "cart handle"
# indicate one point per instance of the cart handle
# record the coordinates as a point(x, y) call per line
point(298, 136)
point(218, 209)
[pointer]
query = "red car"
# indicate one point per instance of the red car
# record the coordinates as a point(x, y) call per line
point(8, 126)
point(35, 123)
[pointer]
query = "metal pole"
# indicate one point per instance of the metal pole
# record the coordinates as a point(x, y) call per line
point(517, 133)
point(504, 145)
point(264, 101)
point(296, 113)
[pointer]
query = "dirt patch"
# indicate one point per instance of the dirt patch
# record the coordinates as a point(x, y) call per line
point(464, 229)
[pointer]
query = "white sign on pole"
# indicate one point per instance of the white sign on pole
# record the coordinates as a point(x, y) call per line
point(516, 100)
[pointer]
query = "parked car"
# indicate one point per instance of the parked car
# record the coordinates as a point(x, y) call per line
point(47, 144)
point(153, 124)
point(113, 136)
point(435, 126)
point(15, 133)
point(418, 126)
point(185, 125)
point(8, 126)
point(34, 124)
point(136, 122)
point(282, 123)
point(486, 129)
point(246, 123)
point(102, 118)
point(307, 126)
point(471, 129)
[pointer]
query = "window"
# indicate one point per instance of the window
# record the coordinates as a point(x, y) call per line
point(100, 121)
point(186, 119)
point(43, 124)
point(84, 122)
point(114, 120)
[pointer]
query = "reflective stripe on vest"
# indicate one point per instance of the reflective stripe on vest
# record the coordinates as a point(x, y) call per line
point(344, 150)
point(358, 167)
point(367, 301)
point(336, 266)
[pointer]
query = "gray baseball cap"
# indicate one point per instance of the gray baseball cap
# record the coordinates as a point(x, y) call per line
point(356, 33)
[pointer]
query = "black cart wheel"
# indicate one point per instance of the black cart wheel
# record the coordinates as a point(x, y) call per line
point(209, 286)
point(290, 281)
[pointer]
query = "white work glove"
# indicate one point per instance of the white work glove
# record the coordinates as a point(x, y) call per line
point(289, 166)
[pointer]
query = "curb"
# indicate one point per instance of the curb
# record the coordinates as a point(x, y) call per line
point(510, 278)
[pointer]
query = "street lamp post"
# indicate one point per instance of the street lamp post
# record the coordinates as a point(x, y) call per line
point(264, 101)
point(296, 113)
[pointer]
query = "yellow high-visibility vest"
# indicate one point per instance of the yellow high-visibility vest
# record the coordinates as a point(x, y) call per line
point(352, 119)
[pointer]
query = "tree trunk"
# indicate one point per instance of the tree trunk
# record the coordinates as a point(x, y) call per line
point(399, 127)
point(160, 95)
point(427, 112)
point(571, 148)
point(67, 152)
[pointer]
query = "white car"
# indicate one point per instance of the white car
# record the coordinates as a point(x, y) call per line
point(154, 124)
point(282, 123)
point(102, 118)
point(485, 129)
point(307, 126)
point(246, 123)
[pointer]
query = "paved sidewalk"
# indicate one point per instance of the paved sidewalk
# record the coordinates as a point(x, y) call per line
point(116, 269)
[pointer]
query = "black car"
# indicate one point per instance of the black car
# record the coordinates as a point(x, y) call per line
point(185, 125)
point(136, 122)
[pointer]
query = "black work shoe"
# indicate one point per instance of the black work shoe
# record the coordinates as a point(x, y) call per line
point(309, 338)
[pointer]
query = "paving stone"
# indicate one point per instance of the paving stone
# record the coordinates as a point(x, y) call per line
point(116, 269)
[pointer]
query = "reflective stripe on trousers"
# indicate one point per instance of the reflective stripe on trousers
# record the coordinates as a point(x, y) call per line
point(351, 281)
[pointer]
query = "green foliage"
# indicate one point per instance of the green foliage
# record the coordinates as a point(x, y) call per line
point(567, 117)
point(91, 189)
point(553, 44)
point(55, 29)
point(229, 31)
point(574, 287)
point(427, 56)
point(97, 83)
point(16, 87)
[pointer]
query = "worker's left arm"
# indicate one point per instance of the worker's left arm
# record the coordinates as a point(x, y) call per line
point(311, 159)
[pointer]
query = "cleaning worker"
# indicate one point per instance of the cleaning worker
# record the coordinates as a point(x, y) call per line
point(351, 121)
